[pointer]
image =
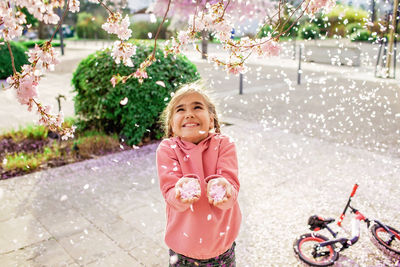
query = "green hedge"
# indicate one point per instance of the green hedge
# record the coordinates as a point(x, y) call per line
point(353, 27)
point(310, 31)
point(97, 103)
point(20, 58)
point(286, 23)
point(363, 35)
point(31, 44)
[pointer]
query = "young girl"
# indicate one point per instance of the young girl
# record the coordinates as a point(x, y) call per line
point(198, 173)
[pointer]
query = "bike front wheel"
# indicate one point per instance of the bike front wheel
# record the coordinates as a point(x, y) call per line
point(304, 248)
point(381, 239)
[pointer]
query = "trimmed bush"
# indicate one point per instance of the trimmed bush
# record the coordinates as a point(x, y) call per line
point(362, 35)
point(342, 15)
point(309, 31)
point(353, 27)
point(265, 31)
point(292, 32)
point(97, 103)
point(20, 58)
point(31, 44)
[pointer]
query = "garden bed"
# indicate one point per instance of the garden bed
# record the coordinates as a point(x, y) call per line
point(35, 149)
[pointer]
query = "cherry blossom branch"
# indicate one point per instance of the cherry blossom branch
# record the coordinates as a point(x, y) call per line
point(227, 4)
point(159, 28)
point(60, 22)
point(12, 57)
point(106, 7)
point(293, 14)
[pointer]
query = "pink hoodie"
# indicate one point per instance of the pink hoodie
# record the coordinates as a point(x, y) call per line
point(203, 231)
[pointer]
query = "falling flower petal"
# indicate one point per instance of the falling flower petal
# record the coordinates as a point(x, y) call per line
point(124, 101)
point(160, 83)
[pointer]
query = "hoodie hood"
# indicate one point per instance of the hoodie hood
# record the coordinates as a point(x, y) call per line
point(185, 145)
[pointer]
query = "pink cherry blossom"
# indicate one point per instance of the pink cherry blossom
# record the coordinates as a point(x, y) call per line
point(268, 47)
point(113, 80)
point(140, 74)
point(116, 25)
point(217, 192)
point(123, 51)
point(44, 57)
point(190, 189)
point(313, 6)
point(74, 6)
point(235, 68)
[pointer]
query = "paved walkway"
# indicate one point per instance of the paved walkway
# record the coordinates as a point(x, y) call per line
point(300, 149)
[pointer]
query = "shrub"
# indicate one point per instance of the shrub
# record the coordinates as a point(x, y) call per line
point(292, 32)
point(95, 143)
point(362, 35)
point(20, 58)
point(31, 44)
point(141, 30)
point(309, 31)
point(265, 31)
point(341, 15)
point(353, 27)
point(89, 27)
point(97, 103)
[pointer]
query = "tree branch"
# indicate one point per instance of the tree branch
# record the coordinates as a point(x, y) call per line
point(60, 22)
point(159, 28)
point(12, 57)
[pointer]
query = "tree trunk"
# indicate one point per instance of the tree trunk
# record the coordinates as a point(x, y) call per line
point(204, 44)
point(41, 31)
point(391, 38)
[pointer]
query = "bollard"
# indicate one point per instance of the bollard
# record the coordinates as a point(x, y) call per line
point(59, 101)
point(240, 84)
point(61, 34)
point(299, 69)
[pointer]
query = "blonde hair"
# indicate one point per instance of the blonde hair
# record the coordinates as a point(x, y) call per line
point(190, 88)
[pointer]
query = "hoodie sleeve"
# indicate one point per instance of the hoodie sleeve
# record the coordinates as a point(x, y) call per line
point(227, 167)
point(169, 172)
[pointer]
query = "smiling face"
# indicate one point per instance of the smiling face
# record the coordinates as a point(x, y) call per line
point(191, 120)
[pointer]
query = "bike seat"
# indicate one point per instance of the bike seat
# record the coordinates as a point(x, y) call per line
point(317, 223)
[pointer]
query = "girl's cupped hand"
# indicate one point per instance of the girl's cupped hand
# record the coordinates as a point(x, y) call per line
point(187, 190)
point(219, 190)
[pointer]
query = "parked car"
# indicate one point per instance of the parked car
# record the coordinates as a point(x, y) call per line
point(67, 31)
point(31, 35)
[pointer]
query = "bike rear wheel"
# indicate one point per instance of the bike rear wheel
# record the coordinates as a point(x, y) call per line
point(381, 239)
point(304, 248)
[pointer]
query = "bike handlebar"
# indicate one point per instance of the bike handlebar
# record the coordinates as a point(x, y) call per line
point(347, 205)
point(354, 190)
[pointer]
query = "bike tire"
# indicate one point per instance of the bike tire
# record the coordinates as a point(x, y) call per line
point(303, 250)
point(378, 239)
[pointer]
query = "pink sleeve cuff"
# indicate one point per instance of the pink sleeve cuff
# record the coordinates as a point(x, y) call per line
point(173, 201)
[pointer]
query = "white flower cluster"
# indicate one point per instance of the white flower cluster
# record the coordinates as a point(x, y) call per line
point(12, 21)
point(215, 20)
point(74, 6)
point(123, 51)
point(116, 25)
point(44, 57)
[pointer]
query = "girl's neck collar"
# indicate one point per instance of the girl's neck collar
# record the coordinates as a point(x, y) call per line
point(190, 144)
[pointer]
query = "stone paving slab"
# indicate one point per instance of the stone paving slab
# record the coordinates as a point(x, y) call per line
point(109, 211)
point(285, 178)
